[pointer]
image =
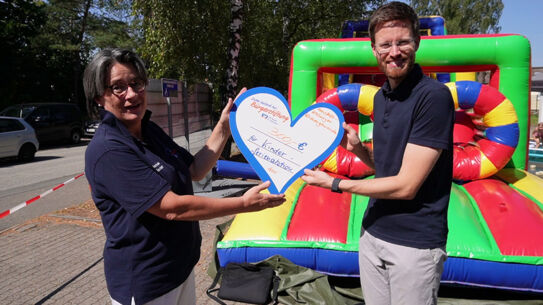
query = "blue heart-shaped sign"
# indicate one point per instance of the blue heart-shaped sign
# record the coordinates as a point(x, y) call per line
point(278, 148)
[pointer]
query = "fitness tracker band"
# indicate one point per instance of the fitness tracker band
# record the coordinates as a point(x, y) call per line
point(335, 185)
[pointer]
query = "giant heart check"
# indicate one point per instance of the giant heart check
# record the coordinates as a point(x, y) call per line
point(277, 147)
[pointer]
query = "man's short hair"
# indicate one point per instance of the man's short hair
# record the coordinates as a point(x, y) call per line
point(97, 72)
point(394, 11)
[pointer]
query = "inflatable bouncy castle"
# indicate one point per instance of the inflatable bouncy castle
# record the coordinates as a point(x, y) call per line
point(496, 207)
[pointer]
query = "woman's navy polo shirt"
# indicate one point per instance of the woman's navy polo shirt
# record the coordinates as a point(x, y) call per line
point(419, 111)
point(144, 256)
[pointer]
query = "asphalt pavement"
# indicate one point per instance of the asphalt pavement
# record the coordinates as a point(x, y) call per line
point(56, 258)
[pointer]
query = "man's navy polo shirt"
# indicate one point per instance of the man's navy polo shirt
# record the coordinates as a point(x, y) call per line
point(144, 256)
point(419, 111)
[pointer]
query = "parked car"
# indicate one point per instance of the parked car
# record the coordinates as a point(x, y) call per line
point(52, 122)
point(17, 139)
point(90, 128)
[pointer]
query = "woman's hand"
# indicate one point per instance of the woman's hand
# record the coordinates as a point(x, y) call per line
point(253, 200)
point(208, 155)
point(224, 120)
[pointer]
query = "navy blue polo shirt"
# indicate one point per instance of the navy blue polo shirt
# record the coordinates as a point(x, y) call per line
point(419, 111)
point(145, 256)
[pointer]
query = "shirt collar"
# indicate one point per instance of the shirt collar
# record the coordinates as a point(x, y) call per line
point(402, 91)
point(111, 120)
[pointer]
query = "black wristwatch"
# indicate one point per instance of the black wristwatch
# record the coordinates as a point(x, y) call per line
point(335, 185)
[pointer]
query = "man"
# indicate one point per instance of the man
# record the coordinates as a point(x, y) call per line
point(404, 231)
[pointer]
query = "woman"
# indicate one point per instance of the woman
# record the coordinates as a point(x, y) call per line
point(141, 184)
point(538, 135)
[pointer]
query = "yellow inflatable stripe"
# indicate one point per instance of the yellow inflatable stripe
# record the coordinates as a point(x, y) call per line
point(487, 167)
point(328, 81)
point(503, 114)
point(454, 93)
point(266, 224)
point(472, 76)
point(331, 163)
point(524, 181)
point(365, 99)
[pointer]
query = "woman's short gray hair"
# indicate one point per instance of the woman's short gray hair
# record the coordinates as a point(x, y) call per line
point(97, 72)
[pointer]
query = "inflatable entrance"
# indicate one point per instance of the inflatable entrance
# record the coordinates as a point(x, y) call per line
point(495, 211)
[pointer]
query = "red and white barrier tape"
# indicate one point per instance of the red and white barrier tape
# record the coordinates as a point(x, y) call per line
point(23, 204)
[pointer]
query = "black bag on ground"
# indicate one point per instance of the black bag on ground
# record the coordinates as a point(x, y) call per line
point(244, 282)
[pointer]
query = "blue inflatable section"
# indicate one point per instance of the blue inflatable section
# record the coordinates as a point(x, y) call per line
point(506, 134)
point(493, 274)
point(456, 270)
point(331, 262)
point(468, 92)
point(235, 169)
point(348, 96)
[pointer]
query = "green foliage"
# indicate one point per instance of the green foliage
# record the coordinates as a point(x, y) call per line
point(183, 39)
point(464, 16)
point(272, 29)
point(48, 44)
point(20, 22)
point(189, 39)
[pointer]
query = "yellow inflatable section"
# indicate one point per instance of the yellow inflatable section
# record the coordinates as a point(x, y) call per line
point(266, 224)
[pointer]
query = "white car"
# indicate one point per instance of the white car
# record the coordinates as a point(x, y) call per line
point(17, 139)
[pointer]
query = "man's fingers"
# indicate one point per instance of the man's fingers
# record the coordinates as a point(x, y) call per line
point(308, 171)
point(348, 128)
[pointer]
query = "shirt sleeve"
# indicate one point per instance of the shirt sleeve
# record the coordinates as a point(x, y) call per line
point(129, 181)
point(434, 120)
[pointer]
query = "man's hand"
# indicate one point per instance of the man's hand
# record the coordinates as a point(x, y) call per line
point(317, 178)
point(350, 140)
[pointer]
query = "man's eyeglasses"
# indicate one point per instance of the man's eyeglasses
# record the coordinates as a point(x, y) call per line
point(403, 45)
point(121, 88)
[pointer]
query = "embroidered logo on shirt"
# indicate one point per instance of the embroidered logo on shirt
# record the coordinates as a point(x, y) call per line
point(173, 152)
point(158, 167)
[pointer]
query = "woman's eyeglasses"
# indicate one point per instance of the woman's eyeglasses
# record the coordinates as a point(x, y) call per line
point(121, 88)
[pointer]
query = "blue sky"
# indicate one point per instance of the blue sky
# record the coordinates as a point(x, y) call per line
point(524, 17)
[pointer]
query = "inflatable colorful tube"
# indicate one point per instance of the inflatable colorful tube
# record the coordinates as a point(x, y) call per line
point(476, 155)
point(351, 99)
point(483, 155)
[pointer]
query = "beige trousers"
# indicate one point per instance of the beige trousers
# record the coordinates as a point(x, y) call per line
point(391, 274)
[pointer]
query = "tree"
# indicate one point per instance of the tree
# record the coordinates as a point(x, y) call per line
point(189, 40)
point(48, 43)
point(234, 48)
point(272, 29)
point(464, 16)
point(20, 22)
